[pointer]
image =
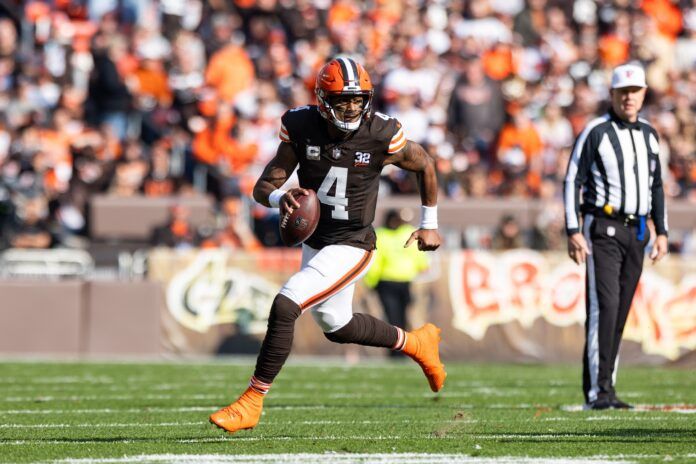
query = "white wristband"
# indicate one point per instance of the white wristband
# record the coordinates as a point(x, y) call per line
point(275, 196)
point(428, 217)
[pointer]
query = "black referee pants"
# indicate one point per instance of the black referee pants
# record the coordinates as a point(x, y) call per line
point(613, 271)
point(395, 298)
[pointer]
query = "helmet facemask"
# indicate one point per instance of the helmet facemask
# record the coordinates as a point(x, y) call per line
point(327, 110)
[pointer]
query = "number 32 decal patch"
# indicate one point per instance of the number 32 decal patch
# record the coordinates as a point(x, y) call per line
point(362, 159)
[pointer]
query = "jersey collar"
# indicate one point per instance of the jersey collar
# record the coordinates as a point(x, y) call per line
point(623, 123)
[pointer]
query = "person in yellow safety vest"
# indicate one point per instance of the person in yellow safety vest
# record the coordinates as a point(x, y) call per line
point(394, 267)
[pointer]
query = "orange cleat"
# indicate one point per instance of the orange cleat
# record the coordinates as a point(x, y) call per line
point(422, 346)
point(242, 414)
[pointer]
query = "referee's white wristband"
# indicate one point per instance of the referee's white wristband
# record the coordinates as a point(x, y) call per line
point(275, 196)
point(428, 217)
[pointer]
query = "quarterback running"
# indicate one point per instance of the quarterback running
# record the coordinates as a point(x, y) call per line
point(339, 146)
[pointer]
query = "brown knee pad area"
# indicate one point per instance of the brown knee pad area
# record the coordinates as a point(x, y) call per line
point(366, 330)
point(278, 340)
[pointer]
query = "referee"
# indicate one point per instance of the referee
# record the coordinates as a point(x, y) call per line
point(615, 163)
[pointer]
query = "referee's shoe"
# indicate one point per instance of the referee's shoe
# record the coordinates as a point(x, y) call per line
point(607, 401)
point(616, 403)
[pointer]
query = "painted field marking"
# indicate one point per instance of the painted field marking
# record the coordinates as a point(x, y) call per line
point(340, 422)
point(231, 439)
point(679, 408)
point(159, 409)
point(341, 458)
point(281, 395)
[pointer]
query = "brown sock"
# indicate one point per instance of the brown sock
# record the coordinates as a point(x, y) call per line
point(366, 330)
point(277, 343)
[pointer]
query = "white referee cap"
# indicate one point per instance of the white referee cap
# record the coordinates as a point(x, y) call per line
point(628, 75)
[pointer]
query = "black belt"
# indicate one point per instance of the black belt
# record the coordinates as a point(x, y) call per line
point(626, 219)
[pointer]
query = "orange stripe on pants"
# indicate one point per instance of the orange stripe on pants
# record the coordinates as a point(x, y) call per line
point(342, 282)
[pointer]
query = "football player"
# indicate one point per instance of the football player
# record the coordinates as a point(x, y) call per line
point(340, 145)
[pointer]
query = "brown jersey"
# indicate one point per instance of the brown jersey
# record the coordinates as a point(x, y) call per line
point(344, 174)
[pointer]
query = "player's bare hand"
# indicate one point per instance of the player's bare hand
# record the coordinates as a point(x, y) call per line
point(660, 248)
point(428, 239)
point(577, 248)
point(288, 202)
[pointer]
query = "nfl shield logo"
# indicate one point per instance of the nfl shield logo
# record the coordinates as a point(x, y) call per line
point(336, 153)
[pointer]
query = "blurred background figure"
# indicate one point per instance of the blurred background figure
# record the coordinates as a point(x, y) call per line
point(110, 98)
point(234, 232)
point(30, 227)
point(178, 232)
point(508, 234)
point(394, 267)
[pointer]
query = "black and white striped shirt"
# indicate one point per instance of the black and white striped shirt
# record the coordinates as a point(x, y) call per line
point(617, 163)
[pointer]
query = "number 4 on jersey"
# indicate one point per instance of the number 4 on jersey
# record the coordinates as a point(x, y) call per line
point(338, 200)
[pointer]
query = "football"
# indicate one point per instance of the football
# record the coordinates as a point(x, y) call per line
point(299, 225)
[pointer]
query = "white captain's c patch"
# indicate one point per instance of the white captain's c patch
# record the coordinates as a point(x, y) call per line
point(611, 231)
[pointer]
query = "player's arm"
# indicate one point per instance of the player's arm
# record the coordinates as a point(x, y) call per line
point(277, 171)
point(414, 158)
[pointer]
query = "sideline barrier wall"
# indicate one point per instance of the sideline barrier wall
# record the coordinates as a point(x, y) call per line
point(516, 306)
point(123, 318)
point(42, 317)
point(113, 217)
point(76, 318)
point(133, 218)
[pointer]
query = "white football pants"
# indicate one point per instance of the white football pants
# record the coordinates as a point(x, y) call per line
point(326, 283)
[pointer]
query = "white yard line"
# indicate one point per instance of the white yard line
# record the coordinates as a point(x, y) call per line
point(203, 422)
point(341, 458)
point(212, 385)
point(339, 422)
point(280, 395)
point(98, 426)
point(107, 410)
point(678, 408)
point(160, 409)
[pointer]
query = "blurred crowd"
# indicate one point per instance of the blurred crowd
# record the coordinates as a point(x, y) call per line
point(162, 97)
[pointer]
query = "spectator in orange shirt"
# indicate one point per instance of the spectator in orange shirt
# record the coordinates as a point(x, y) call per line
point(519, 149)
point(667, 14)
point(215, 146)
point(151, 83)
point(177, 232)
point(342, 13)
point(498, 62)
point(230, 70)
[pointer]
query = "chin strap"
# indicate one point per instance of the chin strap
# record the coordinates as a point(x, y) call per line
point(345, 126)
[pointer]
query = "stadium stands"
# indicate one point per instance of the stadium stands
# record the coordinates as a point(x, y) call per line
point(111, 109)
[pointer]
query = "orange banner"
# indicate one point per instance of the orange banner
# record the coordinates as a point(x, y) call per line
point(522, 285)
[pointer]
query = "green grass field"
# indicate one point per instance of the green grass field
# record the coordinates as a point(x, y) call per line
point(377, 412)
